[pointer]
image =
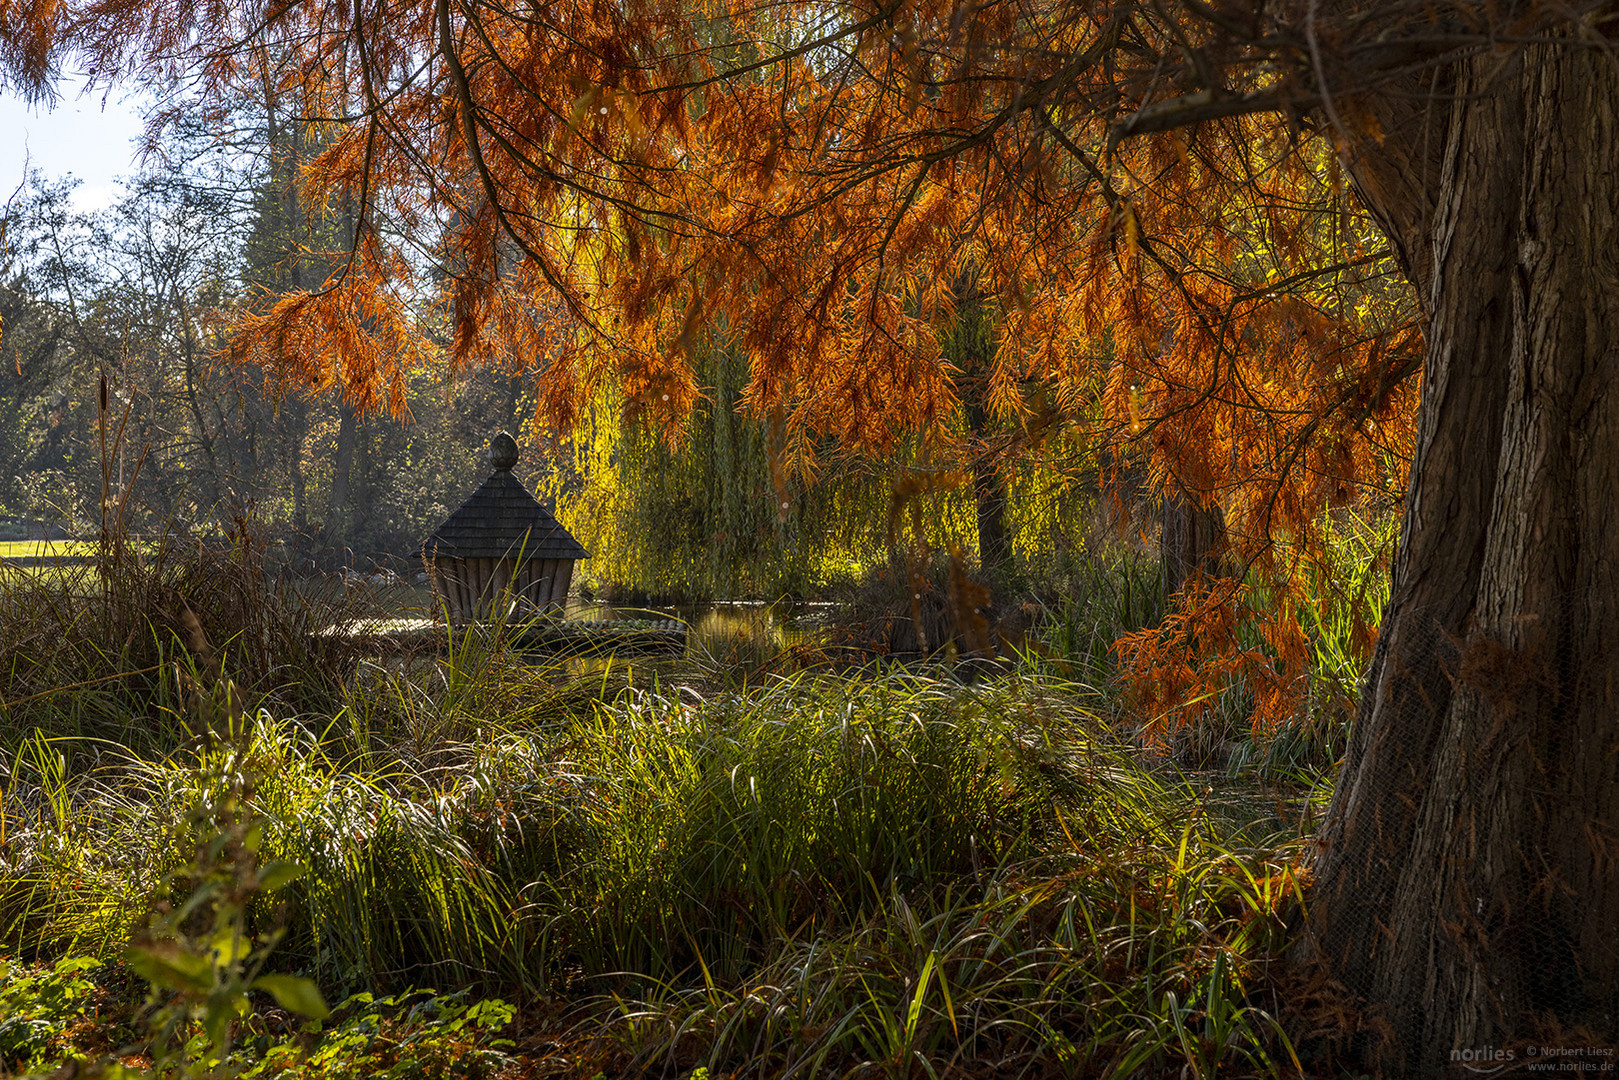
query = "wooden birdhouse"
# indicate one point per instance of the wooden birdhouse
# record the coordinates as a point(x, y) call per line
point(501, 538)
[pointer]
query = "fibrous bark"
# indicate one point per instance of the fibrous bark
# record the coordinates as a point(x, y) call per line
point(989, 497)
point(1190, 540)
point(1467, 882)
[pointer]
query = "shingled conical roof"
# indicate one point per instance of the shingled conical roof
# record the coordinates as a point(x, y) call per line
point(501, 519)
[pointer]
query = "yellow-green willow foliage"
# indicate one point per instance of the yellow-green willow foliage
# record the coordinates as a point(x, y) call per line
point(712, 517)
point(708, 516)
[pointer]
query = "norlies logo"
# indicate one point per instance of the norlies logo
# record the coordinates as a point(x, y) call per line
point(1484, 1059)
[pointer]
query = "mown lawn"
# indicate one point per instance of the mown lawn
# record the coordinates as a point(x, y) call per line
point(46, 549)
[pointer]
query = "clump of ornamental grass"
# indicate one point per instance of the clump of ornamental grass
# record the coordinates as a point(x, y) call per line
point(699, 830)
point(87, 824)
point(1031, 975)
point(995, 887)
point(416, 713)
point(891, 872)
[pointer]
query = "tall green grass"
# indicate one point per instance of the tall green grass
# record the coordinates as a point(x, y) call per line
point(1349, 590)
point(888, 871)
point(708, 828)
point(883, 871)
point(1103, 599)
point(1120, 593)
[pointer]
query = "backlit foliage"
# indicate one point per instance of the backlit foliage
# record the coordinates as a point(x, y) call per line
point(578, 189)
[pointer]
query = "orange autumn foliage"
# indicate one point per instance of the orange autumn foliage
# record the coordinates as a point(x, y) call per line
point(1178, 670)
point(576, 190)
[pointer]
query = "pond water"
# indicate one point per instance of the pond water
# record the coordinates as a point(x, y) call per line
point(728, 633)
point(1253, 810)
point(719, 632)
point(721, 624)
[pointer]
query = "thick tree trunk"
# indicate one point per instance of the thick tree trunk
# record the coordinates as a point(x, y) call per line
point(1467, 881)
point(339, 517)
point(989, 495)
point(1189, 540)
point(297, 428)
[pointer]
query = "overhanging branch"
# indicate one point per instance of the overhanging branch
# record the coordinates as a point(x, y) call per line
point(1208, 105)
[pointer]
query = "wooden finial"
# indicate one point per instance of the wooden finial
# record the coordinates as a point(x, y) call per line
point(503, 452)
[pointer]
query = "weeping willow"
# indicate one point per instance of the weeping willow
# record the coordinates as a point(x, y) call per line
point(709, 517)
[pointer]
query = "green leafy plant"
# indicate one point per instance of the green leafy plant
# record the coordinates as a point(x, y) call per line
point(200, 954)
point(37, 1006)
point(416, 1034)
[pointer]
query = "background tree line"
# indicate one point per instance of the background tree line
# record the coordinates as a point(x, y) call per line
point(142, 293)
point(138, 294)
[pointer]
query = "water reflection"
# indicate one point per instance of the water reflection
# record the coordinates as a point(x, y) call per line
point(728, 634)
point(732, 635)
